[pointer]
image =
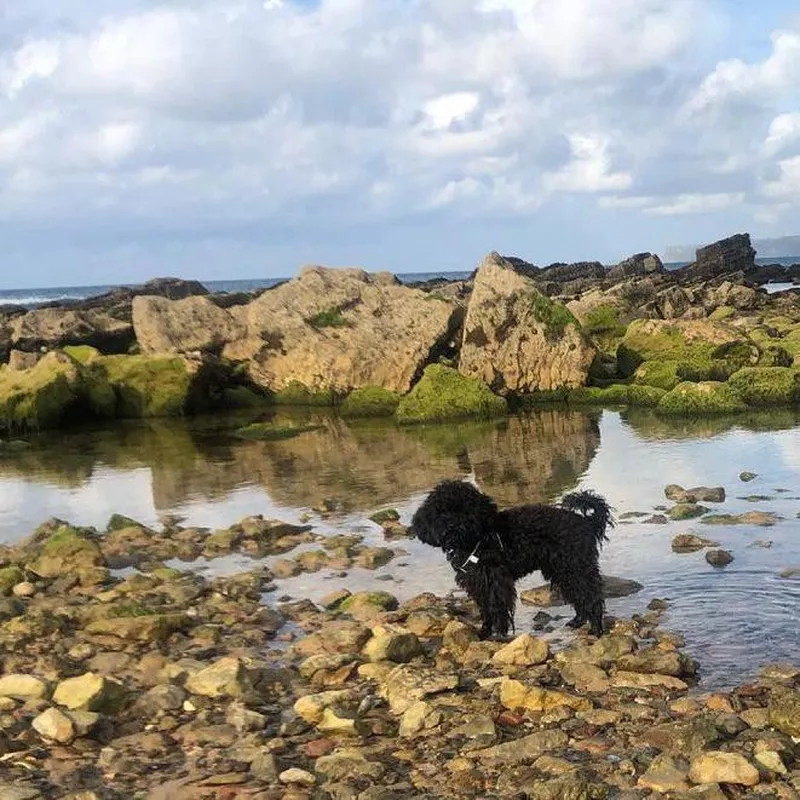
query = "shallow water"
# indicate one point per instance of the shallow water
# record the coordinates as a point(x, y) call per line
point(734, 620)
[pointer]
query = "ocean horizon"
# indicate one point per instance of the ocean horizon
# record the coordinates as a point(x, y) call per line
point(33, 297)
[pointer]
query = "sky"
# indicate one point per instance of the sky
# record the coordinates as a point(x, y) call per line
point(243, 138)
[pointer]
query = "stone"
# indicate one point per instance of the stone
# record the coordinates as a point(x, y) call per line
point(337, 724)
point(71, 551)
point(346, 763)
point(165, 697)
point(585, 677)
point(699, 494)
point(145, 628)
point(516, 339)
point(524, 651)
point(637, 680)
point(340, 636)
point(90, 692)
point(719, 767)
point(684, 511)
point(23, 687)
point(244, 719)
point(734, 254)
point(683, 737)
point(636, 265)
point(55, 726)
point(296, 775)
point(656, 660)
point(746, 477)
point(784, 710)
point(312, 707)
point(691, 543)
point(24, 589)
point(227, 677)
point(666, 774)
point(517, 695)
point(392, 643)
point(365, 606)
point(184, 326)
point(330, 329)
point(457, 636)
point(16, 791)
point(9, 578)
point(719, 558)
point(406, 684)
point(57, 327)
point(526, 749)
point(418, 717)
point(771, 761)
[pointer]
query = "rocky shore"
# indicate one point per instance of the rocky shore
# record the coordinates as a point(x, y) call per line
point(701, 340)
point(159, 683)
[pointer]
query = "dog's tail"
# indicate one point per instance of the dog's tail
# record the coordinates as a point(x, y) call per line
point(591, 505)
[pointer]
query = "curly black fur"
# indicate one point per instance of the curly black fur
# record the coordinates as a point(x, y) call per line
point(490, 550)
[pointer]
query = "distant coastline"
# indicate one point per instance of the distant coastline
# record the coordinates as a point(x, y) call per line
point(31, 298)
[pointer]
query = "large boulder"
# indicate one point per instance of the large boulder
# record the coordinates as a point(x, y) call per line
point(183, 326)
point(57, 327)
point(517, 340)
point(40, 397)
point(636, 265)
point(7, 316)
point(342, 329)
point(734, 254)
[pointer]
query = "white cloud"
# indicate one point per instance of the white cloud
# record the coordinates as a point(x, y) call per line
point(590, 169)
point(170, 115)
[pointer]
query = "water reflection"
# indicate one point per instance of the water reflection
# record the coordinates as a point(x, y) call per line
point(363, 464)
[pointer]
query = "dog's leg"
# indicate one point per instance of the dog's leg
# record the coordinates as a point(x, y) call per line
point(503, 599)
point(583, 591)
point(475, 585)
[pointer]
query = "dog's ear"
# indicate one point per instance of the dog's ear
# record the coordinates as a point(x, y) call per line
point(428, 526)
point(454, 514)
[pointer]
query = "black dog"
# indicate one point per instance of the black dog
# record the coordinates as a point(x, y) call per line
point(490, 550)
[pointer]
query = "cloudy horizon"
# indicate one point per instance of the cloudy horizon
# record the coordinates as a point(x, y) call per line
point(244, 138)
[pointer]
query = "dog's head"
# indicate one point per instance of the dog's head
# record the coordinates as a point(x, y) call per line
point(455, 512)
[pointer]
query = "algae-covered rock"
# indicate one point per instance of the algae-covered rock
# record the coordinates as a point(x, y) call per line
point(70, 551)
point(297, 394)
point(371, 401)
point(701, 350)
point(9, 578)
point(661, 374)
point(645, 396)
point(273, 432)
point(442, 393)
point(700, 399)
point(40, 397)
point(616, 394)
point(766, 386)
point(148, 387)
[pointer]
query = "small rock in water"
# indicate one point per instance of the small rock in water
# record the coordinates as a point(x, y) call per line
point(691, 543)
point(746, 477)
point(719, 558)
point(656, 519)
point(686, 511)
point(764, 543)
point(790, 573)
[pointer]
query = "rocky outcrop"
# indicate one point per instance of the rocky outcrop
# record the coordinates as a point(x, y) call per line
point(636, 265)
point(580, 270)
point(341, 329)
point(7, 316)
point(517, 340)
point(57, 327)
point(188, 325)
point(734, 254)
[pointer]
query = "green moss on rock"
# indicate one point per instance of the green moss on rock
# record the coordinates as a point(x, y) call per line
point(145, 386)
point(443, 393)
point(616, 394)
point(370, 401)
point(82, 353)
point(41, 397)
point(554, 316)
point(541, 398)
point(9, 578)
point(645, 396)
point(700, 399)
point(239, 397)
point(71, 551)
point(272, 432)
point(603, 319)
point(766, 386)
point(296, 394)
point(722, 312)
point(697, 360)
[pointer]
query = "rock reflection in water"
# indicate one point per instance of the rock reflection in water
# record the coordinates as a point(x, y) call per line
point(363, 465)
